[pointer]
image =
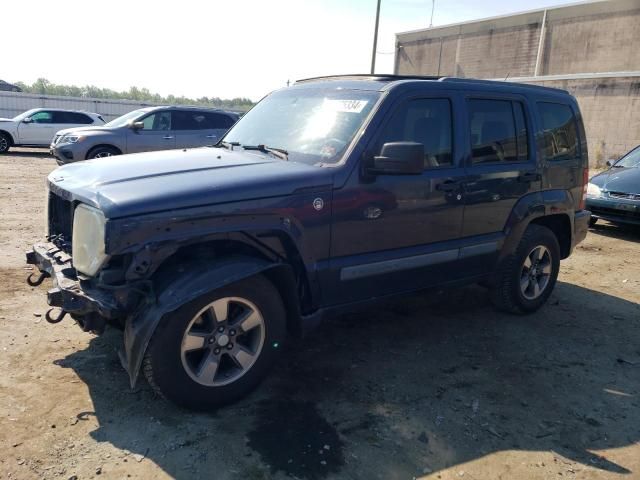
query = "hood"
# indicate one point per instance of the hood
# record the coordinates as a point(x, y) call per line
point(2, 119)
point(85, 130)
point(626, 180)
point(128, 185)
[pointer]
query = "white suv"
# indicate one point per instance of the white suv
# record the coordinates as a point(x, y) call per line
point(36, 128)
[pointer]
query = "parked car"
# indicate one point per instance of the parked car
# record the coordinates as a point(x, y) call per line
point(36, 127)
point(9, 87)
point(144, 130)
point(208, 258)
point(614, 194)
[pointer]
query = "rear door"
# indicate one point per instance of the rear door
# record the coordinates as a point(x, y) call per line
point(62, 120)
point(501, 167)
point(156, 134)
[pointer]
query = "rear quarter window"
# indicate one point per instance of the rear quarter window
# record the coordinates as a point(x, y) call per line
point(559, 137)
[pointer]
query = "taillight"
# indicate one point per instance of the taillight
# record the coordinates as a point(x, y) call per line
point(585, 185)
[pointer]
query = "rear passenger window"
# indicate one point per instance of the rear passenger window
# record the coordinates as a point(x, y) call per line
point(425, 121)
point(189, 120)
point(559, 134)
point(71, 117)
point(498, 131)
point(219, 121)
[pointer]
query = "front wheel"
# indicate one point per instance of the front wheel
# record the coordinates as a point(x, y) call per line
point(5, 143)
point(102, 152)
point(527, 277)
point(218, 347)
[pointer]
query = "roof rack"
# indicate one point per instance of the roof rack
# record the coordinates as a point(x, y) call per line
point(390, 77)
point(369, 76)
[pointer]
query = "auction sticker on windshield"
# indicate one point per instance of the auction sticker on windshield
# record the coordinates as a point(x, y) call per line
point(345, 106)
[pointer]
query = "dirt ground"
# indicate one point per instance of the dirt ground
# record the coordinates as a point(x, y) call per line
point(436, 386)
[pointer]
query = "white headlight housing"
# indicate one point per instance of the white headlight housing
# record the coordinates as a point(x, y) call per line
point(88, 240)
point(593, 190)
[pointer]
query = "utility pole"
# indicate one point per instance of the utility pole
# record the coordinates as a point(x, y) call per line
point(433, 7)
point(375, 41)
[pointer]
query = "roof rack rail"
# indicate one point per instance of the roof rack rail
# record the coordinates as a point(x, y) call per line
point(372, 76)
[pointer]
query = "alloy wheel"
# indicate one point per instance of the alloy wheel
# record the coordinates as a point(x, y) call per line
point(222, 341)
point(535, 273)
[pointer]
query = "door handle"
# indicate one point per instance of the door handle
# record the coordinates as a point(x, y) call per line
point(168, 137)
point(448, 186)
point(529, 177)
point(211, 136)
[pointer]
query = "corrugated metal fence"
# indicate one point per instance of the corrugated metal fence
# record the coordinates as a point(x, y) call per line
point(13, 103)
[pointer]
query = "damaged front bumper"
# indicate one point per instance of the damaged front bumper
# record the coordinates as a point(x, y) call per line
point(89, 306)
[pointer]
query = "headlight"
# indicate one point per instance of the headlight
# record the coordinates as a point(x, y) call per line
point(593, 190)
point(88, 240)
point(71, 139)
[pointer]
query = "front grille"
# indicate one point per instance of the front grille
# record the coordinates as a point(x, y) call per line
point(60, 222)
point(614, 212)
point(625, 196)
point(55, 139)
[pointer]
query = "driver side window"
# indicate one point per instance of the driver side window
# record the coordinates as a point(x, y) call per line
point(158, 121)
point(42, 117)
point(426, 121)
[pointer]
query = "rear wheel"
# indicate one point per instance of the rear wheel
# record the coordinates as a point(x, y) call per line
point(219, 347)
point(527, 277)
point(5, 143)
point(102, 152)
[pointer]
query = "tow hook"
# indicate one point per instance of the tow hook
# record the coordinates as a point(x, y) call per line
point(57, 319)
point(37, 281)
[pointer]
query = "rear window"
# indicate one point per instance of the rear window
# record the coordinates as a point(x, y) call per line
point(559, 132)
point(72, 118)
point(498, 131)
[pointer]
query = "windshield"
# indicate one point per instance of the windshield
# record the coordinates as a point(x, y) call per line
point(23, 115)
point(122, 121)
point(631, 159)
point(313, 126)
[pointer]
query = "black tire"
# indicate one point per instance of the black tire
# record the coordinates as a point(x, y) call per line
point(506, 292)
point(5, 143)
point(163, 362)
point(592, 221)
point(102, 152)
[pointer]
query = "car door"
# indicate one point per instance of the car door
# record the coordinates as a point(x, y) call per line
point(157, 133)
point(198, 128)
point(501, 168)
point(191, 128)
point(394, 233)
point(37, 129)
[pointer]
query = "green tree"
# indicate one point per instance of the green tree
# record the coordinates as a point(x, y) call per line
point(45, 87)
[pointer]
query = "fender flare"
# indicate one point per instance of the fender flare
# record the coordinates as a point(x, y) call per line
point(531, 207)
point(194, 280)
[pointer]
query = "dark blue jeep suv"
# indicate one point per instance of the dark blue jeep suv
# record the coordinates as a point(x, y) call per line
point(327, 195)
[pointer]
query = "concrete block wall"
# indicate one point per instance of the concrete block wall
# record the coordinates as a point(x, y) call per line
point(580, 40)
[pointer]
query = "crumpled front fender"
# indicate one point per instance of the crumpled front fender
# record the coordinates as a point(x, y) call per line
point(194, 280)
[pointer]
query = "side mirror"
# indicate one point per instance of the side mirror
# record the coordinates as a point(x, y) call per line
point(399, 158)
point(135, 125)
point(610, 163)
point(27, 120)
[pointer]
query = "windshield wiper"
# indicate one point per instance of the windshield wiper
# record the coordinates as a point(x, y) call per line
point(278, 152)
point(227, 145)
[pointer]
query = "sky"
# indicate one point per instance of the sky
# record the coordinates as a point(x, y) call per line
point(223, 48)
